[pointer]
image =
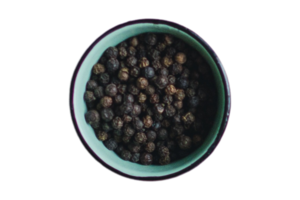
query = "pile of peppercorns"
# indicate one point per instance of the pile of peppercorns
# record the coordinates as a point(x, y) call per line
point(151, 99)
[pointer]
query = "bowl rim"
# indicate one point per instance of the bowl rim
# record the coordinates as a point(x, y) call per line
point(225, 81)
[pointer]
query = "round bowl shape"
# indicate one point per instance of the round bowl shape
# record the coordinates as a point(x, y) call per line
point(78, 107)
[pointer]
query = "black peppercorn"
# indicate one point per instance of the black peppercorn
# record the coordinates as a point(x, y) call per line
point(164, 71)
point(150, 147)
point(106, 127)
point(122, 64)
point(144, 106)
point(149, 112)
point(118, 139)
point(170, 90)
point(172, 79)
point(150, 90)
point(126, 139)
point(196, 139)
point(134, 147)
point(125, 155)
point(111, 90)
point(156, 125)
point(104, 78)
point(163, 151)
point(176, 69)
point(126, 108)
point(148, 72)
point(146, 158)
point(137, 124)
point(171, 145)
point(167, 99)
point(147, 120)
point(160, 46)
point(159, 108)
point(121, 88)
point(123, 74)
point(136, 110)
point(91, 105)
point(180, 58)
point(188, 118)
point(142, 83)
point(118, 99)
point(135, 71)
point(111, 52)
point(161, 81)
point(128, 130)
point(128, 98)
point(119, 149)
point(162, 134)
point(112, 65)
point(142, 98)
point(122, 52)
point(102, 60)
point(102, 136)
point(131, 61)
point(178, 105)
point(202, 94)
point(170, 111)
point(165, 123)
point(168, 39)
point(140, 137)
point(143, 62)
point(154, 98)
point(131, 51)
point(111, 144)
point(107, 114)
point(134, 41)
point(117, 123)
point(158, 117)
point(89, 96)
point(98, 92)
point(194, 84)
point(160, 143)
point(127, 118)
point(153, 54)
point(167, 61)
point(180, 95)
point(170, 51)
point(190, 92)
point(118, 132)
point(141, 51)
point(164, 160)
point(92, 116)
point(133, 90)
point(151, 136)
point(179, 45)
point(106, 101)
point(156, 64)
point(135, 157)
point(194, 101)
point(150, 38)
point(98, 68)
point(184, 142)
point(91, 85)
point(182, 83)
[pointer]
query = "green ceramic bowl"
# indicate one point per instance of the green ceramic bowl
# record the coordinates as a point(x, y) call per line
point(78, 108)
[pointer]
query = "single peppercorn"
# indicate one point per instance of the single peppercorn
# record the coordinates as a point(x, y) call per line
point(171, 145)
point(153, 54)
point(140, 137)
point(150, 38)
point(98, 68)
point(194, 84)
point(150, 90)
point(156, 64)
point(118, 139)
point(142, 83)
point(131, 51)
point(137, 124)
point(176, 69)
point(125, 155)
point(102, 60)
point(104, 78)
point(111, 144)
point(182, 83)
point(128, 98)
point(121, 88)
point(154, 98)
point(184, 142)
point(134, 147)
point(172, 79)
point(123, 74)
point(126, 139)
point(180, 95)
point(159, 108)
point(135, 72)
point(106, 101)
point(127, 118)
point(126, 108)
point(188, 118)
point(170, 90)
point(148, 72)
point(164, 71)
point(129, 130)
point(163, 151)
point(107, 114)
point(143, 62)
point(170, 51)
point(144, 107)
point(147, 120)
point(118, 132)
point(170, 111)
point(131, 61)
point(111, 90)
point(164, 160)
point(98, 92)
point(146, 159)
point(190, 92)
point(161, 81)
point(178, 105)
point(117, 123)
point(202, 94)
point(133, 90)
point(156, 125)
point(166, 123)
point(118, 99)
point(179, 45)
point(89, 96)
point(168, 39)
point(141, 51)
point(91, 105)
point(193, 101)
point(151, 135)
point(136, 110)
point(134, 41)
point(102, 136)
point(196, 139)
point(142, 98)
point(158, 117)
point(112, 65)
point(119, 149)
point(160, 46)
point(106, 127)
point(149, 112)
point(122, 52)
point(167, 99)
point(122, 64)
point(167, 61)
point(162, 134)
point(149, 147)
point(91, 85)
point(92, 116)
point(135, 157)
point(111, 52)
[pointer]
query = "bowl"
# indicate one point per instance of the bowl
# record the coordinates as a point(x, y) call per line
point(78, 107)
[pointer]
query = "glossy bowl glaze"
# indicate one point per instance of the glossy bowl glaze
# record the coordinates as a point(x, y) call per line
point(78, 108)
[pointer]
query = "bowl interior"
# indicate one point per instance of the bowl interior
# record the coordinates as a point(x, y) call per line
point(80, 108)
